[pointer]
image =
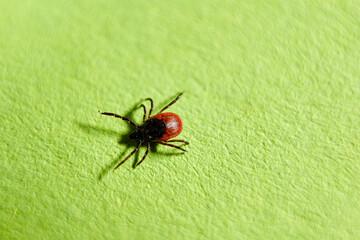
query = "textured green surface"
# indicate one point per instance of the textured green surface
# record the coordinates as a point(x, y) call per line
point(271, 108)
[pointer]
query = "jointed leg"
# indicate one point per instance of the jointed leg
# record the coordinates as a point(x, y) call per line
point(183, 141)
point(118, 116)
point(132, 153)
point(171, 145)
point(152, 105)
point(174, 101)
point(142, 105)
point(146, 153)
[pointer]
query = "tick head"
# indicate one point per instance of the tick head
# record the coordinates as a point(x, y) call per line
point(137, 135)
point(152, 129)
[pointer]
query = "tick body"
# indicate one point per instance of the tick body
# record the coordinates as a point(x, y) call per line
point(159, 128)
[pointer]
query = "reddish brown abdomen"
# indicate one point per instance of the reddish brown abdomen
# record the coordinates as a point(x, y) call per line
point(173, 125)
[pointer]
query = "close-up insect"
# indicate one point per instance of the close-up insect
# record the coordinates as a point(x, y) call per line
point(159, 128)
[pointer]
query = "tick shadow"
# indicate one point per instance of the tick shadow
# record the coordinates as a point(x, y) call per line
point(122, 140)
point(132, 144)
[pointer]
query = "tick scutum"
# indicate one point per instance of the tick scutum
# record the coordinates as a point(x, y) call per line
point(152, 129)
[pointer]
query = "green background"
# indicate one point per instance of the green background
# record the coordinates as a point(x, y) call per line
point(271, 110)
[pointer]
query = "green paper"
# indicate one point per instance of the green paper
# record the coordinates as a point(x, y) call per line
point(270, 108)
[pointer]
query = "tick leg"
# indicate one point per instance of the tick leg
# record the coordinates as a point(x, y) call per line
point(173, 101)
point(152, 105)
point(171, 145)
point(183, 141)
point(132, 153)
point(142, 105)
point(118, 116)
point(146, 153)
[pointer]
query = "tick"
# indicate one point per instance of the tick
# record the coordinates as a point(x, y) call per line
point(159, 128)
